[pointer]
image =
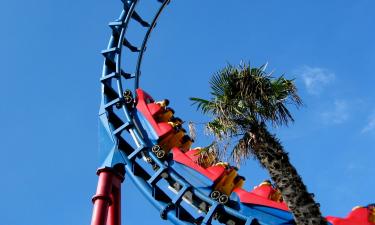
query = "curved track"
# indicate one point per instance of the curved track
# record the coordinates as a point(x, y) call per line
point(120, 127)
point(124, 144)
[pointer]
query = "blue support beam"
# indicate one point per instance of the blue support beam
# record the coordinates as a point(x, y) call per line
point(116, 150)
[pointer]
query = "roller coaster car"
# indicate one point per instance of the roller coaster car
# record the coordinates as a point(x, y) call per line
point(212, 173)
point(194, 155)
point(266, 190)
point(155, 113)
point(165, 130)
point(222, 183)
point(263, 195)
point(177, 138)
point(358, 216)
point(223, 178)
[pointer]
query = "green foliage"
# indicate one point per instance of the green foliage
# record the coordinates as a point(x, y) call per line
point(243, 97)
point(243, 101)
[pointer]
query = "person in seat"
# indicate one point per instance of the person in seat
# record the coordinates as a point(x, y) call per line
point(230, 180)
point(266, 190)
point(371, 217)
point(360, 215)
point(162, 114)
point(176, 123)
point(163, 104)
point(186, 143)
point(172, 140)
point(165, 115)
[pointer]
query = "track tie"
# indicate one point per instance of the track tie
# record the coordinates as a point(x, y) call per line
point(123, 127)
point(110, 52)
point(115, 24)
point(116, 75)
point(112, 66)
point(156, 177)
point(131, 47)
point(108, 77)
point(136, 151)
point(127, 75)
point(180, 194)
point(210, 214)
point(135, 15)
point(250, 220)
point(139, 19)
point(112, 103)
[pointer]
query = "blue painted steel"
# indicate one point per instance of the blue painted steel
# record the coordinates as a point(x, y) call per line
point(195, 178)
point(151, 134)
point(144, 43)
point(115, 149)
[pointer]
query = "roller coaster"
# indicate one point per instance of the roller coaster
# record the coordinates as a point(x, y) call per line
point(143, 138)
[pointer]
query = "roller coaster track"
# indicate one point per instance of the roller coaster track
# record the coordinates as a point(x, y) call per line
point(126, 149)
point(114, 129)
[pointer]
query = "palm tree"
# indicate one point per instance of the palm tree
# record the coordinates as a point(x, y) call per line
point(243, 101)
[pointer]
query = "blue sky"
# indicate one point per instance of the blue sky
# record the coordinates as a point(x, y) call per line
point(51, 65)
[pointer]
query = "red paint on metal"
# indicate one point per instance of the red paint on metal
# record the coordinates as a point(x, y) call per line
point(146, 105)
point(359, 216)
point(251, 198)
point(213, 173)
point(264, 191)
point(114, 213)
point(193, 154)
point(107, 202)
point(154, 108)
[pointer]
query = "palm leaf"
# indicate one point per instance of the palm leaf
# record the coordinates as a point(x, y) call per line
point(202, 104)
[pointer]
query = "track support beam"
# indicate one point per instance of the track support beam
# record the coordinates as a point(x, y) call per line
point(107, 200)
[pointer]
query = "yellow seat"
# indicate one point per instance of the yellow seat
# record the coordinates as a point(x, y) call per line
point(239, 182)
point(176, 126)
point(164, 103)
point(276, 196)
point(172, 140)
point(228, 182)
point(206, 160)
point(165, 116)
point(223, 164)
point(186, 143)
point(371, 217)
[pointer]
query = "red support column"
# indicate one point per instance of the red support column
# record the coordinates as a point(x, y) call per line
point(107, 200)
point(114, 214)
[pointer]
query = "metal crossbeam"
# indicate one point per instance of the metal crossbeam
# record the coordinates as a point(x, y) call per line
point(116, 146)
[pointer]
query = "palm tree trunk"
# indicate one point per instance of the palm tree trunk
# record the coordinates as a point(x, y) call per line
point(270, 153)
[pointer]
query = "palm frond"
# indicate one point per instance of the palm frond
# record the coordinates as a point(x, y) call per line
point(192, 130)
point(242, 150)
point(243, 96)
point(202, 104)
point(208, 156)
point(219, 81)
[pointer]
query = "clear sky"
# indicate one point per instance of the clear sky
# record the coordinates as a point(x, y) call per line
point(51, 64)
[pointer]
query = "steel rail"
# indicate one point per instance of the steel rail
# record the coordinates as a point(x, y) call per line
point(129, 154)
point(144, 43)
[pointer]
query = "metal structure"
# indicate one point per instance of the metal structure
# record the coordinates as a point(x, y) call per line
point(126, 147)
